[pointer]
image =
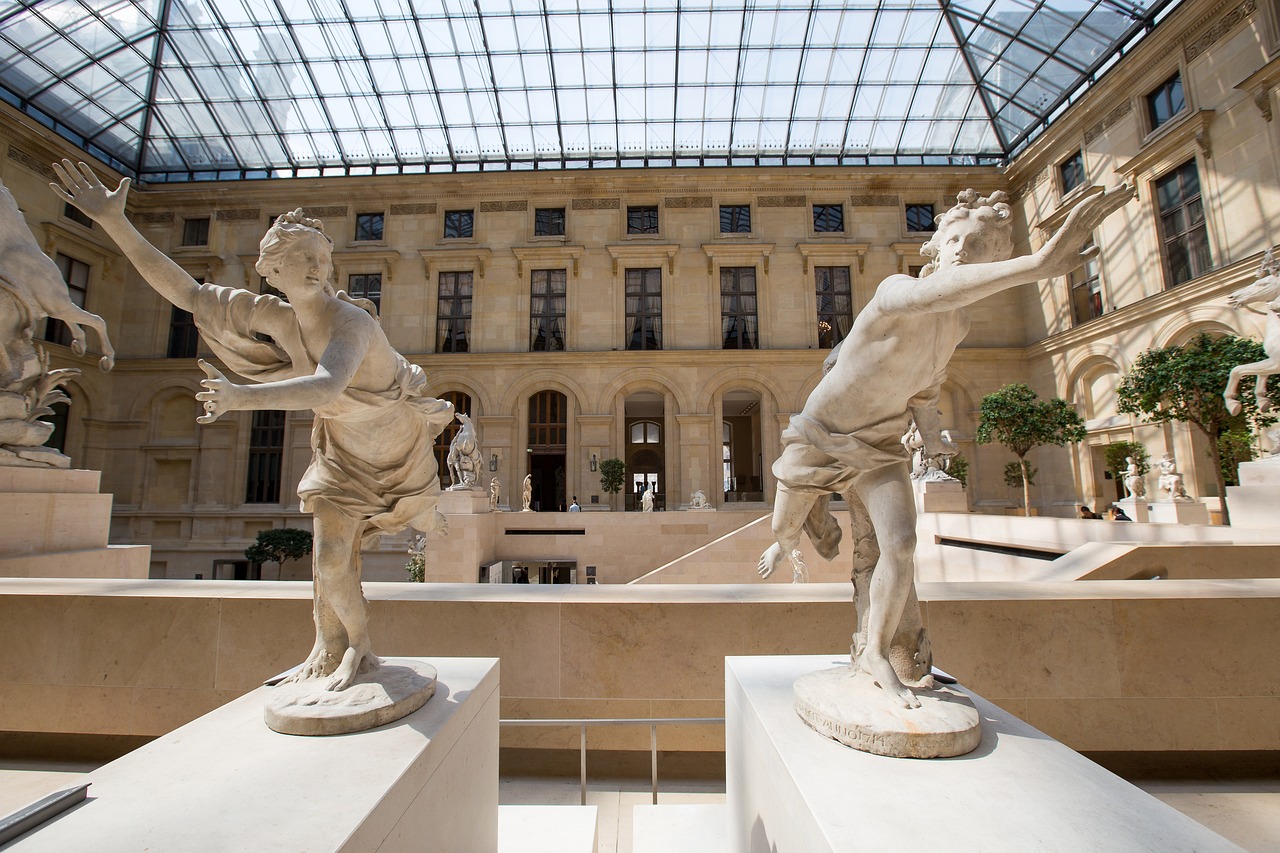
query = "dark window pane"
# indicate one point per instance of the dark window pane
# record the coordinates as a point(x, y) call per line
point(1086, 292)
point(366, 286)
point(1166, 101)
point(1182, 225)
point(828, 217)
point(735, 219)
point(183, 337)
point(644, 309)
point(195, 232)
point(835, 304)
point(642, 220)
point(547, 310)
point(58, 438)
point(369, 226)
point(459, 223)
point(920, 217)
point(1072, 172)
point(266, 453)
point(70, 211)
point(738, 321)
point(453, 316)
point(76, 275)
point(548, 222)
point(548, 424)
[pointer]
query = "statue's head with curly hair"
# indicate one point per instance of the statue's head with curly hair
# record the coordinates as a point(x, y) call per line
point(292, 232)
point(977, 230)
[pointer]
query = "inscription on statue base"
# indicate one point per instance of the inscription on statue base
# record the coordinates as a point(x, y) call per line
point(846, 705)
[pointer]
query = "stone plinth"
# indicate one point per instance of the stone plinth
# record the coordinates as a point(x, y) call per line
point(790, 789)
point(939, 496)
point(1138, 510)
point(1178, 512)
point(227, 782)
point(54, 523)
point(464, 502)
point(1254, 502)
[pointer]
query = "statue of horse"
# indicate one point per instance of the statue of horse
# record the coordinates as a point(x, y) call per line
point(464, 455)
point(33, 281)
point(1266, 290)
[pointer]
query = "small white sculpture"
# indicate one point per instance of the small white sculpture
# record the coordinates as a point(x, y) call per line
point(1265, 289)
point(31, 289)
point(1171, 480)
point(373, 469)
point(495, 493)
point(646, 501)
point(464, 459)
point(847, 441)
point(528, 493)
point(928, 467)
point(698, 500)
point(1134, 485)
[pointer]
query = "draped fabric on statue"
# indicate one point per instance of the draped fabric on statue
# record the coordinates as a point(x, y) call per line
point(371, 447)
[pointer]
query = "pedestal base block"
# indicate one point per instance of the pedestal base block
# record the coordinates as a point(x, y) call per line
point(939, 496)
point(1137, 510)
point(384, 695)
point(1178, 512)
point(463, 502)
point(847, 705)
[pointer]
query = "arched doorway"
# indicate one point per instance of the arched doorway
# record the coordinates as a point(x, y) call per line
point(740, 446)
point(646, 448)
point(548, 437)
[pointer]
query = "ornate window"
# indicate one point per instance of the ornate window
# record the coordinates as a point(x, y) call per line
point(453, 317)
point(646, 432)
point(835, 304)
point(266, 455)
point(644, 309)
point(1182, 226)
point(547, 310)
point(739, 326)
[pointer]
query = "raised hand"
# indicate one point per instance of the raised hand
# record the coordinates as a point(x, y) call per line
point(1063, 252)
point(80, 186)
point(219, 395)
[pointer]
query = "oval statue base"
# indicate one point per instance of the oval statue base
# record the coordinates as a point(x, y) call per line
point(846, 705)
point(394, 690)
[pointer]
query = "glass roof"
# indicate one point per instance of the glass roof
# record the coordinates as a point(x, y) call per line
point(172, 90)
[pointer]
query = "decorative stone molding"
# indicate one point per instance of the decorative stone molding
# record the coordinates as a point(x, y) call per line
point(151, 217)
point(907, 252)
point(1226, 21)
point(1118, 112)
point(1028, 185)
point(645, 253)
point(875, 201)
point(321, 212)
point(1259, 85)
point(32, 162)
point(239, 214)
point(737, 254)
point(695, 202)
point(595, 204)
point(781, 201)
point(413, 209)
point(833, 254)
point(461, 259)
point(546, 255)
point(1053, 221)
point(350, 261)
point(1170, 139)
point(504, 206)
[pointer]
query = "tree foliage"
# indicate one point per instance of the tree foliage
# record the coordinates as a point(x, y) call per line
point(959, 468)
point(1185, 384)
point(1117, 455)
point(278, 545)
point(611, 473)
point(1015, 417)
point(1013, 474)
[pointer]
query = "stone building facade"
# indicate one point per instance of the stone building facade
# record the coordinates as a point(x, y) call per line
point(675, 318)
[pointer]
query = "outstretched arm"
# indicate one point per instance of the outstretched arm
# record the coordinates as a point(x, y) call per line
point(80, 186)
point(338, 365)
point(962, 284)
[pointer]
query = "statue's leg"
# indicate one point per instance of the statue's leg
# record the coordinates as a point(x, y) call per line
point(823, 530)
point(337, 562)
point(866, 552)
point(331, 635)
point(886, 493)
point(790, 509)
point(75, 317)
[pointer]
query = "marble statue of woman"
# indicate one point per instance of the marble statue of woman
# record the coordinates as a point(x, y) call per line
point(646, 501)
point(527, 496)
point(890, 368)
point(1133, 482)
point(373, 469)
point(495, 494)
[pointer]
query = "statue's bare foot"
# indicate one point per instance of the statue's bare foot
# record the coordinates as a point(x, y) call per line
point(882, 671)
point(317, 665)
point(353, 663)
point(770, 560)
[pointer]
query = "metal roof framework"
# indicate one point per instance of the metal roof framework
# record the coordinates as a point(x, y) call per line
point(182, 90)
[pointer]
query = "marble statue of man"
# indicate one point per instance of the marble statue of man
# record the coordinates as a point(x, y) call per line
point(373, 468)
point(527, 496)
point(890, 368)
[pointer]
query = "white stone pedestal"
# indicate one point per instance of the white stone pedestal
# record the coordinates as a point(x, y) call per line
point(1253, 503)
point(428, 781)
point(939, 496)
point(464, 502)
point(1178, 512)
point(1136, 509)
point(790, 790)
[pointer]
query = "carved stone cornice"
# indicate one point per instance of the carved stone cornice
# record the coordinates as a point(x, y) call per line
point(641, 253)
point(735, 254)
point(1201, 40)
point(1168, 139)
point(1259, 84)
point(460, 258)
point(556, 254)
point(828, 254)
point(347, 260)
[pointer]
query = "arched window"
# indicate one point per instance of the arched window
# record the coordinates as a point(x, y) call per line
point(547, 421)
point(646, 432)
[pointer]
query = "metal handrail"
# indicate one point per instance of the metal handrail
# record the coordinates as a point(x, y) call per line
point(651, 722)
